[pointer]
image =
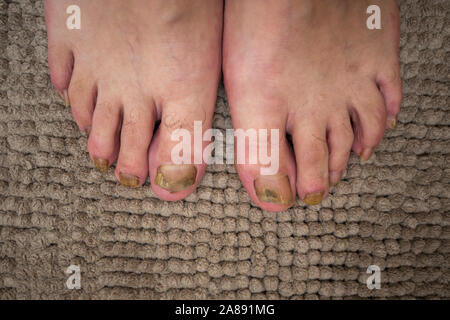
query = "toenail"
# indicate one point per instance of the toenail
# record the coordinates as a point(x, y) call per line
point(392, 120)
point(87, 131)
point(366, 154)
point(313, 198)
point(274, 189)
point(335, 177)
point(65, 97)
point(101, 165)
point(176, 177)
point(128, 180)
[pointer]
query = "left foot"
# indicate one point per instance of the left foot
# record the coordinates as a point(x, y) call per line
point(314, 70)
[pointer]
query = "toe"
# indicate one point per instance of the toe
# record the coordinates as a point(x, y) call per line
point(136, 133)
point(60, 56)
point(311, 156)
point(390, 85)
point(176, 160)
point(340, 141)
point(368, 115)
point(264, 161)
point(60, 62)
point(103, 144)
point(82, 96)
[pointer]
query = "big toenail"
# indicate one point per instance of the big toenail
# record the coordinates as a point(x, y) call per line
point(392, 120)
point(313, 198)
point(128, 180)
point(366, 154)
point(101, 165)
point(274, 189)
point(176, 177)
point(335, 177)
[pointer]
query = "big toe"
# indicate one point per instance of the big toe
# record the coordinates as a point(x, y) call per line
point(176, 158)
point(263, 156)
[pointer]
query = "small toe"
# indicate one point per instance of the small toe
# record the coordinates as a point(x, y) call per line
point(311, 156)
point(60, 55)
point(60, 62)
point(340, 140)
point(390, 84)
point(103, 144)
point(82, 96)
point(136, 133)
point(368, 115)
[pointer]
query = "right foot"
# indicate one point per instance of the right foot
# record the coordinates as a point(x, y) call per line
point(132, 63)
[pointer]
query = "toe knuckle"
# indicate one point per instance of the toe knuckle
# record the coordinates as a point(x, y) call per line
point(76, 87)
point(391, 75)
point(379, 119)
point(337, 166)
point(104, 105)
point(373, 139)
point(338, 160)
point(347, 138)
point(129, 124)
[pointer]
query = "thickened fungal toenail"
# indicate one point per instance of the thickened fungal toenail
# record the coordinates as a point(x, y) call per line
point(128, 180)
point(101, 165)
point(335, 177)
point(65, 97)
point(274, 189)
point(176, 177)
point(366, 154)
point(392, 120)
point(313, 198)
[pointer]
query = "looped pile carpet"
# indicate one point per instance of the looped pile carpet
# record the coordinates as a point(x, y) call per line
point(57, 211)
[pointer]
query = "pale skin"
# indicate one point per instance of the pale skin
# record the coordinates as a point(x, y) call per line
point(308, 68)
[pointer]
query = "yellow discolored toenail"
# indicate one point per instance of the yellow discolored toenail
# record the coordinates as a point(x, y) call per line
point(101, 165)
point(366, 154)
point(335, 177)
point(392, 120)
point(274, 189)
point(87, 131)
point(65, 97)
point(176, 177)
point(313, 199)
point(128, 180)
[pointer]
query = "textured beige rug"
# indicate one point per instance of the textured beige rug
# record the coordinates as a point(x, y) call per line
point(57, 211)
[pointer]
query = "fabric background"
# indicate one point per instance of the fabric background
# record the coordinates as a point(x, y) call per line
point(56, 210)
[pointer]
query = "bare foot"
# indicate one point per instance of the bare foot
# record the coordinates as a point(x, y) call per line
point(132, 63)
point(314, 70)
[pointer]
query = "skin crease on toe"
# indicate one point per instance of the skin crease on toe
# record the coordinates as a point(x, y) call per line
point(333, 82)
